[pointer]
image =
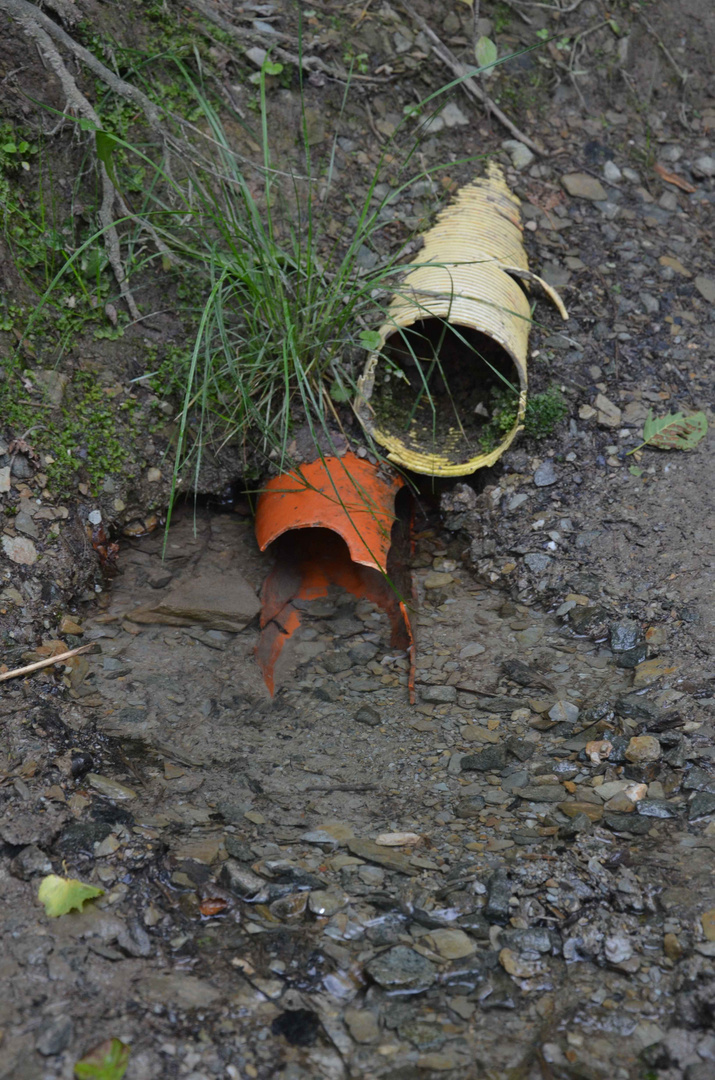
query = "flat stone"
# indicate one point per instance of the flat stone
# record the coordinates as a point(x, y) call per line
point(609, 415)
point(469, 807)
point(546, 475)
point(362, 1025)
point(20, 550)
point(612, 173)
point(704, 166)
point(541, 793)
point(438, 695)
point(68, 625)
point(387, 857)
point(183, 991)
point(112, 789)
point(326, 902)
point(477, 733)
point(632, 823)
point(583, 186)
point(706, 288)
point(564, 712)
point(593, 811)
point(475, 649)
point(240, 879)
point(537, 562)
point(436, 579)
point(490, 759)
point(521, 156)
point(401, 968)
point(451, 944)
point(651, 670)
point(4, 479)
point(217, 601)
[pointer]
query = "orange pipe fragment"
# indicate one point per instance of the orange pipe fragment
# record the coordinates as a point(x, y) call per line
point(349, 506)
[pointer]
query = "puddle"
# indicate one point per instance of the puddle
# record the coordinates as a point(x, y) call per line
point(361, 881)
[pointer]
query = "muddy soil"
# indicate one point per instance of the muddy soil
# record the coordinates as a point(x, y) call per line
point(511, 877)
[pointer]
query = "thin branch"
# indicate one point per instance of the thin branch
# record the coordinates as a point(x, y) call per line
point(59, 659)
point(469, 85)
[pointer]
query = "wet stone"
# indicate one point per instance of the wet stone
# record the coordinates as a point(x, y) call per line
point(541, 793)
point(490, 759)
point(324, 903)
point(564, 712)
point(29, 862)
point(438, 695)
point(336, 662)
point(80, 837)
point(631, 658)
point(55, 1037)
point(545, 475)
point(371, 852)
point(581, 823)
point(632, 823)
point(401, 968)
point(362, 1025)
point(624, 635)
point(498, 896)
point(362, 652)
point(469, 807)
point(657, 808)
point(702, 805)
point(697, 779)
point(238, 848)
point(367, 715)
point(239, 879)
point(537, 562)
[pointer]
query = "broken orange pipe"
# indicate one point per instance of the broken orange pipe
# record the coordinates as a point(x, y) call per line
point(348, 505)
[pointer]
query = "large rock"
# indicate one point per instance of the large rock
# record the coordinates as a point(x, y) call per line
point(218, 601)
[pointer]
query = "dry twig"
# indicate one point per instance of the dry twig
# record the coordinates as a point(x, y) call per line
point(47, 662)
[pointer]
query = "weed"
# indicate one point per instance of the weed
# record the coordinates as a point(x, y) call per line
point(543, 412)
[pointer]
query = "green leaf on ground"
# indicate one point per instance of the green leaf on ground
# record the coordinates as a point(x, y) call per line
point(370, 339)
point(635, 470)
point(60, 895)
point(485, 52)
point(108, 1061)
point(676, 431)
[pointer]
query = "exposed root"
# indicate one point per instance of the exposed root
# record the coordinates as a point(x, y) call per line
point(31, 19)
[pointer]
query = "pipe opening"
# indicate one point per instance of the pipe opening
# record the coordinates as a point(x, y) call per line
point(445, 388)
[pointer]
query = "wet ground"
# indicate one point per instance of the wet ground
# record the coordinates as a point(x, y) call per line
point(335, 883)
point(510, 878)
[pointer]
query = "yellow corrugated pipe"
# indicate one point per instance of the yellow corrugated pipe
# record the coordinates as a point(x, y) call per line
point(464, 276)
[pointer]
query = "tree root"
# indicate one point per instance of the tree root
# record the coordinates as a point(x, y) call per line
point(45, 32)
